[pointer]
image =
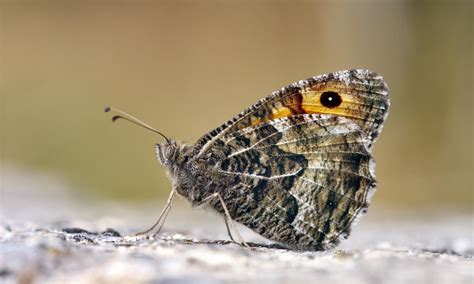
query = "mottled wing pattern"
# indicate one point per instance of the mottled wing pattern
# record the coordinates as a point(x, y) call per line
point(300, 180)
point(296, 171)
point(364, 100)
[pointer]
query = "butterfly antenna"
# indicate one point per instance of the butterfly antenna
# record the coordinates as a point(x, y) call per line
point(134, 120)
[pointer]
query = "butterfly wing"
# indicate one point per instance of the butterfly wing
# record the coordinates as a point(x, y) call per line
point(300, 180)
point(363, 99)
point(296, 167)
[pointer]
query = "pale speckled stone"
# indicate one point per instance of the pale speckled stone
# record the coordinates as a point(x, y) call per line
point(384, 247)
point(50, 255)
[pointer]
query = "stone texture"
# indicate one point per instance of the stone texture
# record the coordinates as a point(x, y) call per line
point(385, 247)
point(40, 254)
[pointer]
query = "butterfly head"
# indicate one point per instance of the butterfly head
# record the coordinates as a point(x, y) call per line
point(167, 152)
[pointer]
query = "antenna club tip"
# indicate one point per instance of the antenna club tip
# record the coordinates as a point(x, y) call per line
point(115, 118)
point(107, 109)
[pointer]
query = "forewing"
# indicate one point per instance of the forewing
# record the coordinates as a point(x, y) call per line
point(302, 180)
point(364, 101)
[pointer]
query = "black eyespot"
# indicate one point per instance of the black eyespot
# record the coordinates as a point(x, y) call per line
point(330, 99)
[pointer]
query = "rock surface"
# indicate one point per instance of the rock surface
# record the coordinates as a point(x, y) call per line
point(32, 254)
point(49, 235)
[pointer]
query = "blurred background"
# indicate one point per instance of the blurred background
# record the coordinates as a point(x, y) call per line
point(185, 67)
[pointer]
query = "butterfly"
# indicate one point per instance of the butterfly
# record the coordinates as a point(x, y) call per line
point(296, 167)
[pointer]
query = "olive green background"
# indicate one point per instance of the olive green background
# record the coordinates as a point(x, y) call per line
point(187, 66)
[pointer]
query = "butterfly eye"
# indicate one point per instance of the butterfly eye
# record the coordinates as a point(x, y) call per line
point(170, 152)
point(330, 99)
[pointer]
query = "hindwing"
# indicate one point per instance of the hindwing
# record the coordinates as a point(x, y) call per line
point(300, 180)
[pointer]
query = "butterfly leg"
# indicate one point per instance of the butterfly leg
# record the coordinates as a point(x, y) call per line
point(228, 220)
point(161, 219)
point(228, 229)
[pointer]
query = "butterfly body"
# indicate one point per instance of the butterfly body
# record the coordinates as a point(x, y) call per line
point(296, 167)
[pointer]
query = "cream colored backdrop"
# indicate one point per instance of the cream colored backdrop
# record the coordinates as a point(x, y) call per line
point(187, 66)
